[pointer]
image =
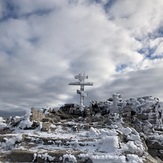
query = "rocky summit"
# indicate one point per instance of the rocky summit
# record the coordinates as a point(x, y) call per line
point(111, 131)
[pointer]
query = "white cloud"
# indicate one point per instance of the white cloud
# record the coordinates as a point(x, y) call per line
point(1, 9)
point(140, 17)
point(47, 43)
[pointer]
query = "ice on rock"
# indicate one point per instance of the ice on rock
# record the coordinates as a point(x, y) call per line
point(93, 132)
point(25, 121)
point(131, 146)
point(109, 159)
point(132, 158)
point(112, 132)
point(133, 137)
point(46, 157)
point(126, 131)
point(69, 158)
point(109, 144)
point(9, 143)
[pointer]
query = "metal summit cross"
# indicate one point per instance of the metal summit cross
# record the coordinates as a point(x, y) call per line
point(81, 77)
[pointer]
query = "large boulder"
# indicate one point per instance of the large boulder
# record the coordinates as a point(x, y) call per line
point(155, 142)
point(20, 156)
point(70, 111)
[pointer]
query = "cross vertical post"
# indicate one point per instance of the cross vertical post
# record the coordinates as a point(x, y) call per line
point(81, 77)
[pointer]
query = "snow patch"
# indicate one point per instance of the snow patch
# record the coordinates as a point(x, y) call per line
point(69, 158)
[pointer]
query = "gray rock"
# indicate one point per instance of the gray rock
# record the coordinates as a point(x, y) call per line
point(21, 156)
point(45, 126)
point(160, 154)
point(154, 143)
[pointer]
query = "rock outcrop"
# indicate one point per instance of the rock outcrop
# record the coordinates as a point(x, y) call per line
point(115, 130)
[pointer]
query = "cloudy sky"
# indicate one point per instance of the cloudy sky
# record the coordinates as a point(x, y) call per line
point(44, 43)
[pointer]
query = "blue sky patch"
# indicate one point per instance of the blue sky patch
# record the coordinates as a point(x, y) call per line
point(10, 11)
point(149, 53)
point(34, 40)
point(39, 12)
point(121, 67)
point(155, 57)
point(106, 5)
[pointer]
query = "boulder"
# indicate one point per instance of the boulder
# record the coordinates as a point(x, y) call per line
point(36, 115)
point(153, 152)
point(160, 154)
point(20, 156)
point(63, 115)
point(45, 126)
point(143, 116)
point(154, 143)
point(47, 119)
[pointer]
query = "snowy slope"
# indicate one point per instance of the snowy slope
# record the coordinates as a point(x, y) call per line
point(67, 135)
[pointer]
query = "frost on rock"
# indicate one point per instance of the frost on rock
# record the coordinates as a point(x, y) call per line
point(109, 159)
point(9, 143)
point(69, 158)
point(109, 144)
point(132, 158)
point(43, 156)
point(93, 132)
point(25, 123)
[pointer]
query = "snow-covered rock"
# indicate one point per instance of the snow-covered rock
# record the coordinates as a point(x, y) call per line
point(115, 130)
